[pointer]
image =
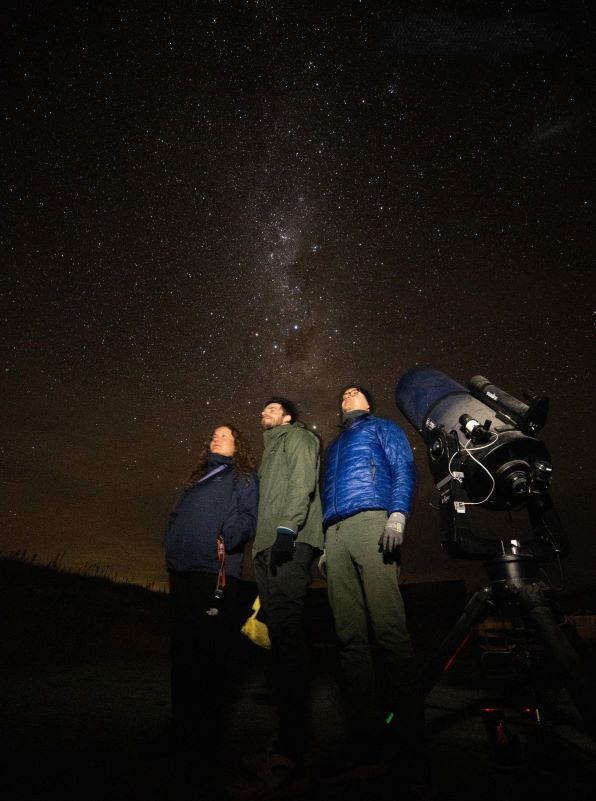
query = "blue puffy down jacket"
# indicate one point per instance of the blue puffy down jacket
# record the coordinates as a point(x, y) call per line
point(370, 465)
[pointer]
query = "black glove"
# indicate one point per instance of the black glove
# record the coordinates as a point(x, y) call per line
point(282, 549)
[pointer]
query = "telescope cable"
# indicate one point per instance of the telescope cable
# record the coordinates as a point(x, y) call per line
point(486, 470)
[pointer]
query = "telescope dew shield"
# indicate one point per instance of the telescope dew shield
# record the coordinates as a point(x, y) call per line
point(418, 390)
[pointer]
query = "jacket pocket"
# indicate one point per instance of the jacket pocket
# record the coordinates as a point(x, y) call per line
point(373, 469)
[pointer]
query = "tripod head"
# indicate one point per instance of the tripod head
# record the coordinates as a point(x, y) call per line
point(483, 451)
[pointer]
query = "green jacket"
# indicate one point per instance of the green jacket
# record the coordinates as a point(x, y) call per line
point(289, 487)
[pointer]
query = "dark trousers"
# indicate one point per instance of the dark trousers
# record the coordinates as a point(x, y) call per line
point(200, 643)
point(282, 591)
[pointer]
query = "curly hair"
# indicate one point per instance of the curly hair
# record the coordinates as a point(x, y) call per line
point(244, 460)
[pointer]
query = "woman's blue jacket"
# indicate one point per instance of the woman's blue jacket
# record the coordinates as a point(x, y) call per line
point(224, 504)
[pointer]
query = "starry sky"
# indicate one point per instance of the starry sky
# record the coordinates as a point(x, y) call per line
point(205, 203)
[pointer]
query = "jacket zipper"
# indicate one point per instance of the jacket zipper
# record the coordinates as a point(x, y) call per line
point(335, 479)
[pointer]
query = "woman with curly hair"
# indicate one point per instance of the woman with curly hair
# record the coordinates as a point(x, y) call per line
point(204, 544)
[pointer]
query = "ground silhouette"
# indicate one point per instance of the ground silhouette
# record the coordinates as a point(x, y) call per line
point(84, 679)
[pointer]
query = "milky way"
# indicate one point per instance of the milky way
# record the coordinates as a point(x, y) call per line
point(207, 204)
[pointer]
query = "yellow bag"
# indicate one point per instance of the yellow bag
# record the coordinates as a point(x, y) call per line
point(255, 630)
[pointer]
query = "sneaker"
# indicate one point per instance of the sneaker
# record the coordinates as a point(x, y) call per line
point(349, 768)
point(276, 773)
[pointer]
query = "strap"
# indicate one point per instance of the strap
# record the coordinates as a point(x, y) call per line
point(212, 472)
point(221, 547)
point(221, 556)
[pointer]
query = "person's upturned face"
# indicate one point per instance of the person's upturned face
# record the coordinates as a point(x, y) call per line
point(353, 400)
point(222, 442)
point(273, 415)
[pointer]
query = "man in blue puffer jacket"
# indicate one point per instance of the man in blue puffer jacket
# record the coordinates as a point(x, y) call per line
point(367, 498)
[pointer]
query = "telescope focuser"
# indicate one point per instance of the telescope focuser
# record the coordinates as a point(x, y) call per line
point(472, 428)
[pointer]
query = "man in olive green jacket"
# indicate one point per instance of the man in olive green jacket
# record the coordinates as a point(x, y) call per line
point(289, 537)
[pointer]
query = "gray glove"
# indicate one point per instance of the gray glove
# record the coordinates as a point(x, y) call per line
point(393, 536)
point(322, 564)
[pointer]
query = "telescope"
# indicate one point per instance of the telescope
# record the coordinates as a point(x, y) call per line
point(483, 451)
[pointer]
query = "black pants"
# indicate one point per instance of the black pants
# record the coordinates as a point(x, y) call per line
point(200, 643)
point(282, 591)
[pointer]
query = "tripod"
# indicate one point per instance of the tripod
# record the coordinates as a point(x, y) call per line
point(516, 588)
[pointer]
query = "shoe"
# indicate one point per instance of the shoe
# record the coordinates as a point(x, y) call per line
point(422, 790)
point(264, 696)
point(252, 763)
point(276, 774)
point(349, 768)
point(162, 745)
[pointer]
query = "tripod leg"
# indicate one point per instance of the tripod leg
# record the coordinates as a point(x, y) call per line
point(476, 610)
point(538, 609)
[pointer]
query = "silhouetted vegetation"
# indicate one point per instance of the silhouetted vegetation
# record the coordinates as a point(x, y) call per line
point(52, 615)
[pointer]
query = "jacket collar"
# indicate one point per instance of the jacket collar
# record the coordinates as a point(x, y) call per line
point(354, 421)
point(273, 434)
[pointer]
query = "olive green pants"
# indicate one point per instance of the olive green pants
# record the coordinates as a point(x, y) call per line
point(377, 660)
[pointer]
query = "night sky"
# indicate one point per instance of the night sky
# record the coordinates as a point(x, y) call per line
point(208, 202)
